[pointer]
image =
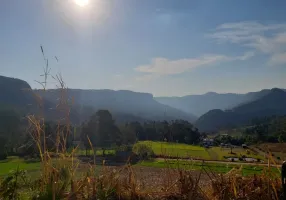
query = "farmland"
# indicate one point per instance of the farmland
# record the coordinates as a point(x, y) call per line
point(33, 167)
point(245, 170)
point(150, 175)
point(14, 163)
point(278, 150)
point(198, 152)
point(161, 149)
point(177, 150)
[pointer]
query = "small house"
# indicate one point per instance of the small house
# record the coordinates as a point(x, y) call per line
point(208, 142)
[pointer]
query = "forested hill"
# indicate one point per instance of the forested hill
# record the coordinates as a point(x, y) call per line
point(124, 105)
point(15, 92)
point(121, 103)
point(271, 104)
point(200, 104)
point(17, 95)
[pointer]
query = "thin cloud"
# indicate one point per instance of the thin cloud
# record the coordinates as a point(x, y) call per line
point(118, 75)
point(278, 59)
point(268, 39)
point(164, 66)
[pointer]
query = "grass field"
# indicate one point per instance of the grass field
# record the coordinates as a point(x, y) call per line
point(33, 168)
point(211, 167)
point(159, 148)
point(13, 163)
point(218, 153)
point(197, 152)
point(82, 152)
point(179, 150)
point(277, 149)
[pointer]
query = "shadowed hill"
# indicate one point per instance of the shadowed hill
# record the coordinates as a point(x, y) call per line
point(274, 103)
point(200, 104)
point(123, 103)
point(17, 94)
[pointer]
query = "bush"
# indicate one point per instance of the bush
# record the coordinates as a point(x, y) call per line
point(3, 142)
point(143, 151)
point(3, 156)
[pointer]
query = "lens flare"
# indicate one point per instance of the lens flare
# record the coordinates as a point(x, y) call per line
point(82, 3)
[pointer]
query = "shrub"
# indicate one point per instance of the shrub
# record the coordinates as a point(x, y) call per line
point(3, 156)
point(143, 151)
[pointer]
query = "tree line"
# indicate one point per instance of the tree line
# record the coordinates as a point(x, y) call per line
point(266, 129)
point(100, 131)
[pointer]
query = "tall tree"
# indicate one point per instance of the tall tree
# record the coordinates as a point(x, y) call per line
point(128, 134)
point(10, 127)
point(3, 142)
point(102, 130)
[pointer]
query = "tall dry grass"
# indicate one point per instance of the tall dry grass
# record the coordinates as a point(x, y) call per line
point(59, 180)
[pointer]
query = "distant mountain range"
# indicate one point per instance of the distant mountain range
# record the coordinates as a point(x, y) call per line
point(272, 103)
point(124, 105)
point(200, 104)
point(121, 103)
point(216, 111)
point(17, 94)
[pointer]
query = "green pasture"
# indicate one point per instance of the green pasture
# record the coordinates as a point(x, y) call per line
point(246, 170)
point(178, 150)
point(14, 163)
point(99, 152)
point(218, 153)
point(198, 152)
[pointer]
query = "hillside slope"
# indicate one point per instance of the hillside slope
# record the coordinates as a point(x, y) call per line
point(200, 104)
point(124, 105)
point(271, 104)
point(120, 103)
point(17, 94)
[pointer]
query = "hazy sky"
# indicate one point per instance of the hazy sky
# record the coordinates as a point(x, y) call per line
point(164, 47)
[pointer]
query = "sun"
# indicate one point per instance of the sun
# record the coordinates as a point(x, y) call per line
point(82, 3)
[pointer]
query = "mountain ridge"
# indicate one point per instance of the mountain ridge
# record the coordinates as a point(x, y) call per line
point(200, 104)
point(127, 105)
point(123, 104)
point(268, 105)
point(138, 104)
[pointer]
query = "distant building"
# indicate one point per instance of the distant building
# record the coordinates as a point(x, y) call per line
point(208, 142)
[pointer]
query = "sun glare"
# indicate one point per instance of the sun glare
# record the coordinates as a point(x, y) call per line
point(81, 3)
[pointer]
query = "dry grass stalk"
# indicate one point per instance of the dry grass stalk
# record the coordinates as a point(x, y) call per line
point(59, 181)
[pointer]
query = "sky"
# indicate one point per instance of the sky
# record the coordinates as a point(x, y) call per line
point(163, 47)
